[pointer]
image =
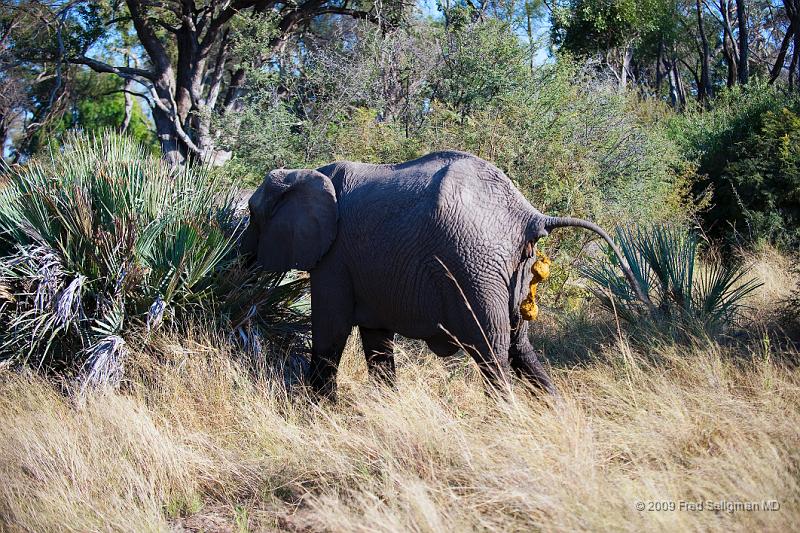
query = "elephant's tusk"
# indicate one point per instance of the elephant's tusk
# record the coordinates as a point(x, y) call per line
point(541, 271)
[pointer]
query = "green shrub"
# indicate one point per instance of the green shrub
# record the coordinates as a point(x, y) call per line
point(690, 296)
point(480, 62)
point(262, 138)
point(103, 241)
point(365, 139)
point(748, 156)
point(765, 180)
point(573, 147)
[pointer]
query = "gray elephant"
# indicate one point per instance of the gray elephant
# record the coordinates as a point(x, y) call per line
point(438, 249)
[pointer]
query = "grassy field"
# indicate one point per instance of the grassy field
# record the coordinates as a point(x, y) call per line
point(194, 442)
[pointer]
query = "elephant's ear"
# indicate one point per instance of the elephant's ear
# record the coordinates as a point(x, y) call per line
point(298, 219)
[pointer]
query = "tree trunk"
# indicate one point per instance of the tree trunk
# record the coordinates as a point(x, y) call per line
point(171, 149)
point(627, 55)
point(694, 74)
point(3, 135)
point(744, 47)
point(659, 58)
point(777, 67)
point(677, 93)
point(127, 87)
point(704, 90)
point(529, 28)
point(794, 67)
point(792, 8)
point(730, 62)
point(679, 83)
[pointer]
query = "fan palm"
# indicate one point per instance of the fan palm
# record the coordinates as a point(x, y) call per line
point(101, 238)
point(709, 295)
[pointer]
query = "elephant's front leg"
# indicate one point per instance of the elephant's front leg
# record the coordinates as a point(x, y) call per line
point(331, 323)
point(379, 353)
point(325, 356)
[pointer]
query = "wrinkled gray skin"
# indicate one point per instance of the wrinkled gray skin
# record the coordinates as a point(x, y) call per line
point(438, 249)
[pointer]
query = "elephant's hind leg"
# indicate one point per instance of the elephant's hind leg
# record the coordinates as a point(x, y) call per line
point(486, 340)
point(525, 362)
point(379, 352)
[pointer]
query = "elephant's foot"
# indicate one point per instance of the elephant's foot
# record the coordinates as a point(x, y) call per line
point(321, 388)
point(322, 371)
point(527, 365)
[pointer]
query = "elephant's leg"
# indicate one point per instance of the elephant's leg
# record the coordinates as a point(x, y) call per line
point(325, 356)
point(379, 352)
point(523, 357)
point(483, 332)
point(492, 359)
point(525, 361)
point(331, 323)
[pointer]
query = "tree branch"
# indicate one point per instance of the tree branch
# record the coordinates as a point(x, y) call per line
point(224, 16)
point(134, 93)
point(777, 67)
point(171, 29)
point(354, 13)
point(124, 72)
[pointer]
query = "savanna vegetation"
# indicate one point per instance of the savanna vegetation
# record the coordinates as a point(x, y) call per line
point(149, 377)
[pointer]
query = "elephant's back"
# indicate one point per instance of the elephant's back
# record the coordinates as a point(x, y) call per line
point(444, 195)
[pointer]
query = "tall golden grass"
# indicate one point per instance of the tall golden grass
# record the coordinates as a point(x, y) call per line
point(194, 441)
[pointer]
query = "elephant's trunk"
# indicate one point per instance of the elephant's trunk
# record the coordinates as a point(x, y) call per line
point(248, 245)
point(561, 222)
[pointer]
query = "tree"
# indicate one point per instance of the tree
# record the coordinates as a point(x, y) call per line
point(744, 45)
point(187, 70)
point(729, 44)
point(704, 89)
point(36, 80)
point(481, 61)
point(609, 29)
point(791, 37)
point(97, 104)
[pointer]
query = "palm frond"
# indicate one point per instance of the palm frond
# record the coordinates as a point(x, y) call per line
point(101, 237)
point(686, 292)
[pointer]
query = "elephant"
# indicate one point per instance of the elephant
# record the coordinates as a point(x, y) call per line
point(438, 248)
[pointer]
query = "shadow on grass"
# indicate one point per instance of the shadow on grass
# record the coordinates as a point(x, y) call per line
point(568, 339)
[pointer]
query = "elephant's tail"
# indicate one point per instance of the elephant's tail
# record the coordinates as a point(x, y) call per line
point(551, 223)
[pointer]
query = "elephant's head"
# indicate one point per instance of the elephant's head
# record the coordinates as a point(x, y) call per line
point(293, 219)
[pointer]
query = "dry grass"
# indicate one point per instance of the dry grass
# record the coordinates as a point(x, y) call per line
point(778, 273)
point(195, 443)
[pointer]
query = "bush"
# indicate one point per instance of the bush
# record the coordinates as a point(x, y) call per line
point(103, 240)
point(573, 147)
point(765, 181)
point(748, 158)
point(690, 296)
point(480, 62)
